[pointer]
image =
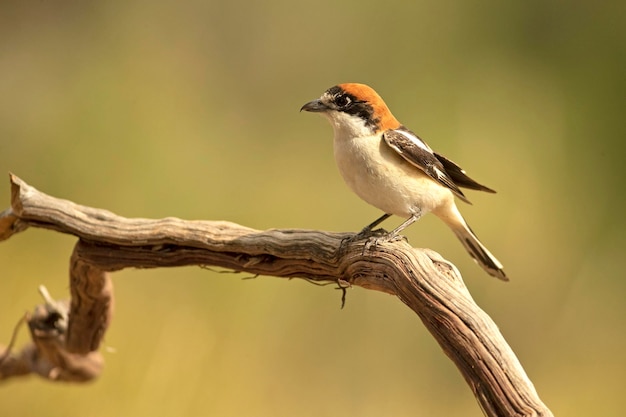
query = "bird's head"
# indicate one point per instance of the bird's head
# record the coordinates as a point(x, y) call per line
point(353, 109)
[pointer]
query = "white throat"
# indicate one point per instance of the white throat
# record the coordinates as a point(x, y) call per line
point(347, 126)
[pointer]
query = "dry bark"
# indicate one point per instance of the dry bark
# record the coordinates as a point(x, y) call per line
point(65, 345)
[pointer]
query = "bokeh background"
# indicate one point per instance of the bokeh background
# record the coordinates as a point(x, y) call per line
point(190, 109)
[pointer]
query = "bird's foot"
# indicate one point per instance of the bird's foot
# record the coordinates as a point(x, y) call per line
point(366, 233)
point(374, 240)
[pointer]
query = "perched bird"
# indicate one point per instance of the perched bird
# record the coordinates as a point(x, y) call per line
point(391, 168)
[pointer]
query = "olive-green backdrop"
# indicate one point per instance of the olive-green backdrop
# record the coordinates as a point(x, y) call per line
point(190, 109)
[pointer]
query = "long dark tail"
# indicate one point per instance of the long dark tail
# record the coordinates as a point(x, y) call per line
point(477, 250)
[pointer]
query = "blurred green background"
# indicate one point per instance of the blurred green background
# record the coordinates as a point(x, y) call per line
point(190, 109)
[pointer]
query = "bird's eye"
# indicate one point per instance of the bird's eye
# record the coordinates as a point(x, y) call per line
point(342, 100)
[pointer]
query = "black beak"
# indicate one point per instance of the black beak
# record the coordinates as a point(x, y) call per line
point(315, 106)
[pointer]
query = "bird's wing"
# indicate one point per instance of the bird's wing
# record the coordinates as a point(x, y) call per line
point(414, 150)
point(459, 176)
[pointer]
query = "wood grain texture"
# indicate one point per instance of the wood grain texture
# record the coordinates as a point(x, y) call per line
point(420, 278)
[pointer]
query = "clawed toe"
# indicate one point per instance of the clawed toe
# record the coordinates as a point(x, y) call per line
point(375, 240)
point(396, 238)
point(367, 233)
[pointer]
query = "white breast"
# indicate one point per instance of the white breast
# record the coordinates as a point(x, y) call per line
point(382, 178)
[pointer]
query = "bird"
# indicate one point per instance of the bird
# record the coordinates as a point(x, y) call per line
point(394, 170)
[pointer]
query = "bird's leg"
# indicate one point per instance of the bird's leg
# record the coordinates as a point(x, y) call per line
point(394, 235)
point(367, 230)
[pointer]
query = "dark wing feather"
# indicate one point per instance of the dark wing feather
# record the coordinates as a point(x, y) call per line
point(459, 176)
point(410, 147)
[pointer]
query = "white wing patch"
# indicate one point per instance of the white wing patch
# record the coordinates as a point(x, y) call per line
point(440, 174)
point(415, 140)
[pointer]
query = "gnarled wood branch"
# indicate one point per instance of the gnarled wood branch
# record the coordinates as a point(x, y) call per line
point(424, 281)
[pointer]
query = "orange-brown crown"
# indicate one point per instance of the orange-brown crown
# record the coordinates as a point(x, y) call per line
point(363, 92)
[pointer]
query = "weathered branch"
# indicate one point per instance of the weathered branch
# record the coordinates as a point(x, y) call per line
point(424, 281)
